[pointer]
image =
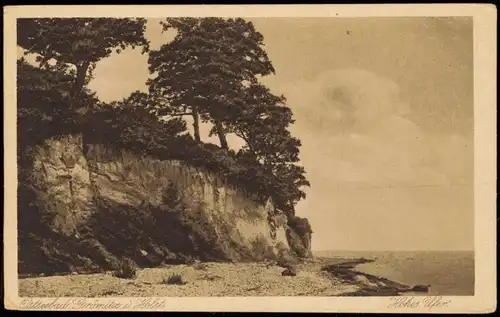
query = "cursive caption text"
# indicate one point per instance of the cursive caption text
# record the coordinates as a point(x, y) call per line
point(428, 302)
point(92, 304)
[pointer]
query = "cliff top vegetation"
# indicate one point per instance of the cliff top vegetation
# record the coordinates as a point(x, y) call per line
point(209, 72)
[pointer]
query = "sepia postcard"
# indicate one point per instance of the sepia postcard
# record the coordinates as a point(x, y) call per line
point(267, 158)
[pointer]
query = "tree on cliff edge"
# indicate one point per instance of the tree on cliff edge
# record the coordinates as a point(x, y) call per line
point(210, 61)
point(263, 125)
point(79, 43)
point(210, 71)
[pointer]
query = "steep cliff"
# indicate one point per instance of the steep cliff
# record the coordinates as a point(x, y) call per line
point(96, 205)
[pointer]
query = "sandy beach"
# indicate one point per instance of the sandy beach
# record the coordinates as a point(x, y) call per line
point(318, 277)
point(202, 279)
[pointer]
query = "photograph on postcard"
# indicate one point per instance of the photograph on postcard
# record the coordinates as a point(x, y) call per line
point(179, 157)
point(245, 156)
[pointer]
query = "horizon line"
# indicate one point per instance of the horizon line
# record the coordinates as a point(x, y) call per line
point(407, 250)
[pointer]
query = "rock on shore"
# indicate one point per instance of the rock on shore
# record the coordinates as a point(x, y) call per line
point(368, 285)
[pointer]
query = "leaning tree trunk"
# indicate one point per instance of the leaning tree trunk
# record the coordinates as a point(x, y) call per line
point(196, 124)
point(81, 72)
point(75, 111)
point(222, 134)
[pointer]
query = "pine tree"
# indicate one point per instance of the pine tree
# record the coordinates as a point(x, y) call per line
point(209, 61)
point(79, 42)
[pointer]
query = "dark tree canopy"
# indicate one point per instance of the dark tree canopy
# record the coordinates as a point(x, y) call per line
point(77, 40)
point(261, 119)
point(209, 61)
point(80, 42)
point(131, 125)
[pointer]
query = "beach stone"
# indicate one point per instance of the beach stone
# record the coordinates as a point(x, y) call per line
point(361, 279)
point(364, 280)
point(289, 272)
point(421, 288)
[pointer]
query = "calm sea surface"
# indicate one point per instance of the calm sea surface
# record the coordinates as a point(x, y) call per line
point(450, 273)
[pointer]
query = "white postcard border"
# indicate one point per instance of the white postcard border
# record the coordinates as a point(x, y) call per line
point(484, 300)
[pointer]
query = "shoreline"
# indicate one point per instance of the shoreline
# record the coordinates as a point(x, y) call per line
point(370, 285)
point(315, 277)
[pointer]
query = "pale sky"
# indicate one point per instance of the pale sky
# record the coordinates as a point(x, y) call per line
point(384, 109)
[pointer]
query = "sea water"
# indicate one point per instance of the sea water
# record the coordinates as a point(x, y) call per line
point(450, 273)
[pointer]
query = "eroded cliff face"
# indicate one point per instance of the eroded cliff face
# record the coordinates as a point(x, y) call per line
point(113, 203)
point(61, 179)
point(235, 217)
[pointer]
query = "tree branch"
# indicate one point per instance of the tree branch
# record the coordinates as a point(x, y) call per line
point(180, 114)
point(242, 135)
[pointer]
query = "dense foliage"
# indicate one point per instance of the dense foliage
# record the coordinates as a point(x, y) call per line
point(77, 44)
point(206, 66)
point(300, 225)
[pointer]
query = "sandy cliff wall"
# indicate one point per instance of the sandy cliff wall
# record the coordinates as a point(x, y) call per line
point(61, 178)
point(237, 219)
point(118, 203)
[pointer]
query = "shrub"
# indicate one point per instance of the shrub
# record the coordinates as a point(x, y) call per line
point(126, 269)
point(299, 245)
point(300, 225)
point(174, 279)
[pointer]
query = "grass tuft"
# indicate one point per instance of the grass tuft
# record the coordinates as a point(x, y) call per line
point(126, 269)
point(174, 279)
